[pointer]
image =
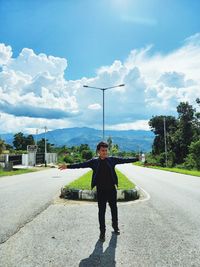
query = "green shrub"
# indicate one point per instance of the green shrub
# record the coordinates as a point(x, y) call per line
point(86, 154)
point(68, 159)
point(193, 159)
point(182, 167)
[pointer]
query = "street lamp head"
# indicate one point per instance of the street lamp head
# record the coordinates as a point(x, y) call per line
point(122, 84)
point(85, 85)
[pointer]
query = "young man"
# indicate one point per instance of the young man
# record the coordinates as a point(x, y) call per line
point(105, 179)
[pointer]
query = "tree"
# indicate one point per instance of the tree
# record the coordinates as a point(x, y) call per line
point(68, 159)
point(86, 154)
point(181, 133)
point(109, 141)
point(156, 124)
point(29, 140)
point(2, 146)
point(115, 149)
point(41, 146)
point(9, 147)
point(193, 159)
point(197, 123)
point(84, 147)
point(185, 132)
point(21, 142)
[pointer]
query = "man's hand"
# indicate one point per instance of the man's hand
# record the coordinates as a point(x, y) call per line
point(62, 167)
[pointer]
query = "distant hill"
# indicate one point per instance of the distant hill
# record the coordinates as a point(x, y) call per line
point(128, 140)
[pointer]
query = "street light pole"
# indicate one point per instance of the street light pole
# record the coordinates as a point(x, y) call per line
point(165, 138)
point(103, 114)
point(103, 89)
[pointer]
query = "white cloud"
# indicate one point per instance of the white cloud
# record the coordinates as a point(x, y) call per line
point(5, 54)
point(136, 125)
point(94, 106)
point(33, 87)
point(173, 79)
point(30, 63)
point(169, 78)
point(13, 124)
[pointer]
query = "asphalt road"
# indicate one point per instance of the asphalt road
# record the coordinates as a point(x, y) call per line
point(24, 196)
point(161, 230)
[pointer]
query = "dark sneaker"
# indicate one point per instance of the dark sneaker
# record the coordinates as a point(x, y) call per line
point(116, 229)
point(102, 237)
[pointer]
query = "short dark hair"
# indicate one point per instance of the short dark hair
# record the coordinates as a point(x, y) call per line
point(102, 144)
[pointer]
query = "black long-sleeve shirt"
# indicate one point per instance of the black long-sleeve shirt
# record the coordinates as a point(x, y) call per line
point(104, 179)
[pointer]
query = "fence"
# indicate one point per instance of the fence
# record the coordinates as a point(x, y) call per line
point(15, 159)
point(40, 158)
point(29, 159)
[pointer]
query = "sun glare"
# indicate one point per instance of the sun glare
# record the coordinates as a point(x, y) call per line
point(121, 4)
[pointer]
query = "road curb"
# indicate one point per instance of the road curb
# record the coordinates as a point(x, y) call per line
point(78, 194)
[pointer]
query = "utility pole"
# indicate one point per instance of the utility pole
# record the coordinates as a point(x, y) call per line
point(36, 137)
point(45, 147)
point(36, 146)
point(165, 138)
point(139, 152)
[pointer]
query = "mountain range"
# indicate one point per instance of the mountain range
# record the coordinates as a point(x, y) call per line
point(127, 140)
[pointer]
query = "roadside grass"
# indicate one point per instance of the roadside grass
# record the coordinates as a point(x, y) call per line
point(138, 163)
point(84, 182)
point(177, 170)
point(14, 172)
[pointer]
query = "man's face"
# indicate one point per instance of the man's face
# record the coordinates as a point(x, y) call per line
point(103, 152)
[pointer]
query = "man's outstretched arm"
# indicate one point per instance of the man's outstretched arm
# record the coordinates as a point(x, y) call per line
point(86, 164)
point(118, 160)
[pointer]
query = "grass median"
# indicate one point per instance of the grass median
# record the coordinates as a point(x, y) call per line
point(177, 170)
point(84, 182)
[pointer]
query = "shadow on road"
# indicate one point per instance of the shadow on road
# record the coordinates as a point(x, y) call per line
point(100, 258)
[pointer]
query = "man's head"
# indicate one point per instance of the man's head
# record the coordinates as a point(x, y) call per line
point(102, 149)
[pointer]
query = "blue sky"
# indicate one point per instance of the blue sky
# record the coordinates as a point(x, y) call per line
point(66, 43)
point(94, 33)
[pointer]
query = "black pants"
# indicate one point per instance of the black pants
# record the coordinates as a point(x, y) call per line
point(104, 196)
